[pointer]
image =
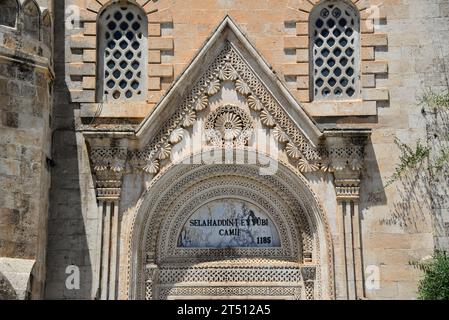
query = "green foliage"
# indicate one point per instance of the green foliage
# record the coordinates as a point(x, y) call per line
point(435, 100)
point(410, 158)
point(435, 284)
point(442, 160)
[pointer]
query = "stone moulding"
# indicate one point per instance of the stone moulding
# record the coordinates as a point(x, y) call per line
point(164, 184)
point(227, 56)
point(302, 141)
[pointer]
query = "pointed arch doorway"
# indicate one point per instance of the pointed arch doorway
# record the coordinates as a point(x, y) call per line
point(223, 231)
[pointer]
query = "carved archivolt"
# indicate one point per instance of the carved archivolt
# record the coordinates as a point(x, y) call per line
point(176, 191)
point(155, 265)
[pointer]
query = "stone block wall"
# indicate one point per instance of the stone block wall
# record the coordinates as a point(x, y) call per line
point(25, 155)
point(397, 226)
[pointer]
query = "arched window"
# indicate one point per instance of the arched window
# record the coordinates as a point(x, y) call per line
point(9, 10)
point(122, 55)
point(335, 51)
point(31, 17)
point(46, 27)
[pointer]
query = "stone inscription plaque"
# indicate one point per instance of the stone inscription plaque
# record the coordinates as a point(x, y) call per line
point(229, 223)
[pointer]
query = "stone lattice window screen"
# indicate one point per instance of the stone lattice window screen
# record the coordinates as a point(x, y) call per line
point(122, 55)
point(335, 42)
point(9, 11)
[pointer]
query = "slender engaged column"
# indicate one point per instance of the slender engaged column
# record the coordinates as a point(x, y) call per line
point(114, 252)
point(360, 281)
point(106, 251)
point(97, 284)
point(341, 252)
point(108, 165)
point(349, 249)
point(349, 216)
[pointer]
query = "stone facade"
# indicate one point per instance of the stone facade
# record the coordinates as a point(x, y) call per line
point(26, 77)
point(101, 187)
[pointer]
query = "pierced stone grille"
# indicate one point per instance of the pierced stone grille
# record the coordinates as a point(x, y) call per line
point(335, 38)
point(122, 55)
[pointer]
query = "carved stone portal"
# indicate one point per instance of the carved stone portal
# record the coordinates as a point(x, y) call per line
point(201, 228)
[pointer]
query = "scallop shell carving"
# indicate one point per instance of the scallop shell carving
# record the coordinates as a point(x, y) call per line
point(189, 119)
point(176, 135)
point(152, 166)
point(117, 166)
point(267, 119)
point(201, 103)
point(164, 152)
point(100, 167)
point(306, 166)
point(338, 164)
point(293, 151)
point(325, 166)
point(254, 103)
point(213, 87)
point(242, 87)
point(356, 164)
point(280, 135)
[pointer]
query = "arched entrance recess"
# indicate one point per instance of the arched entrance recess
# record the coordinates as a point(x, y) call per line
point(202, 230)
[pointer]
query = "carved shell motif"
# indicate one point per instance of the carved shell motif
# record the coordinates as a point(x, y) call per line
point(267, 118)
point(242, 87)
point(164, 151)
point(100, 167)
point(189, 119)
point(325, 166)
point(338, 164)
point(293, 151)
point(254, 103)
point(152, 166)
point(117, 166)
point(356, 164)
point(306, 166)
point(214, 87)
point(280, 135)
point(176, 135)
point(201, 103)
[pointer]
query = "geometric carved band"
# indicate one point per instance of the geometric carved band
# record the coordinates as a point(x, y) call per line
point(227, 291)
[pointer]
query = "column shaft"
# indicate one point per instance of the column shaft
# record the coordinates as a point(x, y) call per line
point(349, 250)
point(106, 251)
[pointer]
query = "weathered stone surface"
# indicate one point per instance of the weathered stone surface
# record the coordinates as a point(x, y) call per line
point(39, 146)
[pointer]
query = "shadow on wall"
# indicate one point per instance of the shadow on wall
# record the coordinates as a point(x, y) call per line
point(67, 236)
point(414, 203)
point(372, 189)
point(424, 189)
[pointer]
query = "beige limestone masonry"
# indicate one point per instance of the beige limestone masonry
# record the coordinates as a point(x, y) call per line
point(402, 53)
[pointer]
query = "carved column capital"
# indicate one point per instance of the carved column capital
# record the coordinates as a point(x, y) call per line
point(346, 155)
point(108, 166)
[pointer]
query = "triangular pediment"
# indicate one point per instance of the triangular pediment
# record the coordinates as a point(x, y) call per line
point(228, 56)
